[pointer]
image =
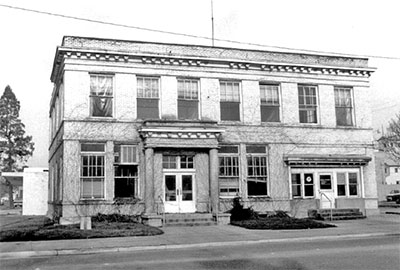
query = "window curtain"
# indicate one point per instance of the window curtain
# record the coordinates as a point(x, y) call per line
point(101, 91)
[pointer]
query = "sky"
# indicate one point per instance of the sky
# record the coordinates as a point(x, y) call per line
point(29, 40)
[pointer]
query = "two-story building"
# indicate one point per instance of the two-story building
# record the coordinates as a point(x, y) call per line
point(151, 128)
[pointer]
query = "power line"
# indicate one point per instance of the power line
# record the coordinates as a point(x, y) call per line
point(189, 35)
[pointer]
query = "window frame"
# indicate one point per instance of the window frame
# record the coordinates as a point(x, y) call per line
point(264, 87)
point(119, 161)
point(188, 100)
point(225, 102)
point(262, 178)
point(305, 107)
point(303, 183)
point(112, 97)
point(337, 97)
point(235, 166)
point(95, 154)
point(178, 161)
point(141, 95)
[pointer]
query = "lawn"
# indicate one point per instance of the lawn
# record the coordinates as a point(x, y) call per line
point(35, 228)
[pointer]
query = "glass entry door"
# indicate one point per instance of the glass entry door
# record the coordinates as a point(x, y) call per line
point(327, 194)
point(179, 193)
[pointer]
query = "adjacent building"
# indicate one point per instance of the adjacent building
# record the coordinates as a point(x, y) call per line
point(152, 128)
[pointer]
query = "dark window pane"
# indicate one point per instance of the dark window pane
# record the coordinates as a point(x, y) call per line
point(308, 190)
point(308, 178)
point(353, 178)
point(308, 116)
point(230, 111)
point(101, 107)
point(256, 188)
point(188, 109)
point(92, 147)
point(228, 149)
point(296, 190)
point(325, 182)
point(269, 113)
point(170, 188)
point(344, 117)
point(250, 149)
point(352, 190)
point(341, 190)
point(296, 178)
point(147, 108)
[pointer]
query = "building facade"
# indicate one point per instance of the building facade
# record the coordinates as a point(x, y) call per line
point(152, 128)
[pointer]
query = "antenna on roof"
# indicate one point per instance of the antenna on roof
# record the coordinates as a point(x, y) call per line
point(212, 22)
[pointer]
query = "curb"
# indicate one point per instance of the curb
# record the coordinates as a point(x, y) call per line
point(61, 252)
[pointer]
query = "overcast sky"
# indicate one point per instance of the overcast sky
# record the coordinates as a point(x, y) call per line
point(29, 40)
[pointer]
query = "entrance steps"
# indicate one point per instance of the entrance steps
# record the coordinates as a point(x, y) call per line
point(189, 219)
point(337, 214)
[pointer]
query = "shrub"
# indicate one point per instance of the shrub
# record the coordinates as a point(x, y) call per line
point(114, 218)
point(238, 212)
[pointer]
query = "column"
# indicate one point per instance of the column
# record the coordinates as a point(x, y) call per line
point(214, 187)
point(149, 181)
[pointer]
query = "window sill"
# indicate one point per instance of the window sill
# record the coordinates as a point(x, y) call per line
point(92, 200)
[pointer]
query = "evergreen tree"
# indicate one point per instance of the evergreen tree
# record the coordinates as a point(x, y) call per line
point(15, 146)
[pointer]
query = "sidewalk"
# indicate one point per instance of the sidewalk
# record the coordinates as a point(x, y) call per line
point(191, 237)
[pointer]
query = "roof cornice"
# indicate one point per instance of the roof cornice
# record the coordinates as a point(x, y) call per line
point(195, 61)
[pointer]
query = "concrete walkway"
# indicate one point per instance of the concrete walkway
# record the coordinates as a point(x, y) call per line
point(205, 236)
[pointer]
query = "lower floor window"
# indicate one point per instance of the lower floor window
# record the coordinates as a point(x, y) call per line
point(229, 176)
point(336, 181)
point(347, 184)
point(302, 184)
point(92, 177)
point(257, 175)
point(125, 181)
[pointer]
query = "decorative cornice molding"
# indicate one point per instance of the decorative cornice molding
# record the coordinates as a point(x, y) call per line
point(176, 60)
point(174, 133)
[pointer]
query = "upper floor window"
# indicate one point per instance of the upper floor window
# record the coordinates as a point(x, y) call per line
point(148, 93)
point(188, 99)
point(92, 170)
point(256, 170)
point(307, 103)
point(269, 94)
point(230, 100)
point(101, 95)
point(344, 106)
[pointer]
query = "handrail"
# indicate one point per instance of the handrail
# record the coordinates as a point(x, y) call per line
point(330, 202)
point(163, 209)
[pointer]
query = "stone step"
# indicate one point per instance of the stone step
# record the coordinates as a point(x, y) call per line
point(343, 217)
point(337, 214)
point(189, 219)
point(339, 210)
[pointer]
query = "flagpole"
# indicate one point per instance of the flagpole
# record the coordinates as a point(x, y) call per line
point(212, 22)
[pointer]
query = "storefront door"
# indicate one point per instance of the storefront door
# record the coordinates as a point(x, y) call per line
point(179, 192)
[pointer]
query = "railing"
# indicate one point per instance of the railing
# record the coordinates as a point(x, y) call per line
point(330, 202)
point(162, 210)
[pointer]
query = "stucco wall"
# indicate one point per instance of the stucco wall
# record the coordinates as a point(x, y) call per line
point(35, 185)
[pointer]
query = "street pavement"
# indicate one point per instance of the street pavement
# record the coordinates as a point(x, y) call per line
point(204, 236)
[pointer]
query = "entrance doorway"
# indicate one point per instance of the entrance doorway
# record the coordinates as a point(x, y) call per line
point(326, 187)
point(179, 192)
